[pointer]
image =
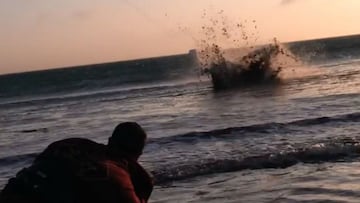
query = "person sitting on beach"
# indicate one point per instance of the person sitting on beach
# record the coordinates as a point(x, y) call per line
point(81, 170)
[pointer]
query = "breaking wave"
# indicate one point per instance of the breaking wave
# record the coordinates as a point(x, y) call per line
point(328, 150)
point(322, 152)
point(341, 150)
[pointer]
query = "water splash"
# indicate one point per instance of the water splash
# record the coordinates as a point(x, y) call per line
point(229, 54)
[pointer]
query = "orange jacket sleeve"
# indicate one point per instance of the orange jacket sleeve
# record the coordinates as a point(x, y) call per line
point(122, 186)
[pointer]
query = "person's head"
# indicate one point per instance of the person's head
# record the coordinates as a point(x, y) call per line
point(128, 139)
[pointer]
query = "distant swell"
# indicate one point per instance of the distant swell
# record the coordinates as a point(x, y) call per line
point(116, 94)
point(97, 76)
point(315, 154)
point(260, 128)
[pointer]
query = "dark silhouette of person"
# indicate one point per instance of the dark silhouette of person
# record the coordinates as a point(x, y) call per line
point(78, 170)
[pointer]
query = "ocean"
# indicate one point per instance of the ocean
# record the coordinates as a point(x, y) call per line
point(294, 141)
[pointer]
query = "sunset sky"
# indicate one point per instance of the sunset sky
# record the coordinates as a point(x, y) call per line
point(42, 34)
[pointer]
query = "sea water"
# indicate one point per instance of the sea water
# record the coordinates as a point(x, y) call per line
point(295, 141)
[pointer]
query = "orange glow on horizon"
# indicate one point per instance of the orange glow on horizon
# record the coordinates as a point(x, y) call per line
point(39, 35)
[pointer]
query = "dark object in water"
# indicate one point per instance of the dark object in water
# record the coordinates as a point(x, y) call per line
point(254, 68)
point(44, 130)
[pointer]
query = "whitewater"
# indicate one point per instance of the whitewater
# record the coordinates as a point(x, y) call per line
point(294, 141)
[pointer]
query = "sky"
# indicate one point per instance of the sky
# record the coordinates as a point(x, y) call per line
point(44, 34)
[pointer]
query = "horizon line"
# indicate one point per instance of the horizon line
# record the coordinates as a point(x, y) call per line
point(160, 56)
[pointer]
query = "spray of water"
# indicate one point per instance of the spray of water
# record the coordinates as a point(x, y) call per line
point(229, 53)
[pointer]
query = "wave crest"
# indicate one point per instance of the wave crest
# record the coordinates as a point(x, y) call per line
point(322, 152)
